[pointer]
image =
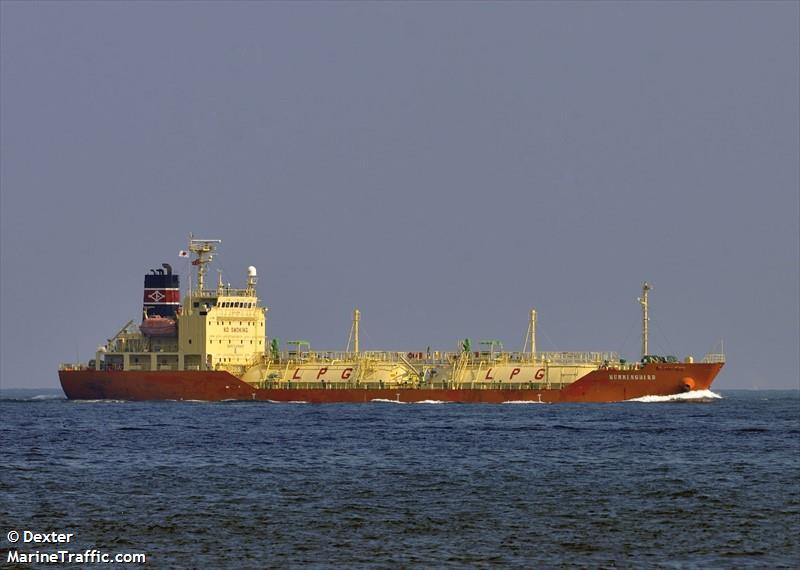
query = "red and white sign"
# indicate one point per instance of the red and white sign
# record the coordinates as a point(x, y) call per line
point(162, 296)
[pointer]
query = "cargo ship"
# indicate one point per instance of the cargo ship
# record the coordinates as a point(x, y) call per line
point(212, 345)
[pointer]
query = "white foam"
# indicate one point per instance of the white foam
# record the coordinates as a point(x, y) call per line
point(523, 402)
point(386, 401)
point(48, 397)
point(693, 396)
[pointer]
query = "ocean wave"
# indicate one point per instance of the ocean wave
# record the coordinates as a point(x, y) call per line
point(386, 401)
point(693, 396)
point(523, 402)
point(29, 395)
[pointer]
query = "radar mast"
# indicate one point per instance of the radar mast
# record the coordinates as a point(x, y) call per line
point(204, 250)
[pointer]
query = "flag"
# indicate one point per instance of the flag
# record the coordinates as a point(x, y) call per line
point(182, 253)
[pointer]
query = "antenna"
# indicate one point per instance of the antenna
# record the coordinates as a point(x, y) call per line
point(252, 279)
point(204, 250)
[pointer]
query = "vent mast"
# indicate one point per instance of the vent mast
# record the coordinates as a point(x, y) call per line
point(643, 301)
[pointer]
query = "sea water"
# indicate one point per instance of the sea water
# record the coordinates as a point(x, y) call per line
point(711, 481)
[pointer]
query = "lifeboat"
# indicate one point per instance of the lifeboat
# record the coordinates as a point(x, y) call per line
point(158, 326)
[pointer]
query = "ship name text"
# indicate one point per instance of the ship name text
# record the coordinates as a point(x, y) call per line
point(631, 376)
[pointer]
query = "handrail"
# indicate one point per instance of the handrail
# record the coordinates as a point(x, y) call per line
point(578, 357)
point(73, 366)
point(224, 292)
point(448, 358)
point(714, 358)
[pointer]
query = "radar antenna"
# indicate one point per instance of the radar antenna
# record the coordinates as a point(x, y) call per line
point(204, 250)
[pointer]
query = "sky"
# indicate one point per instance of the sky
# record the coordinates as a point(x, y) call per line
point(445, 167)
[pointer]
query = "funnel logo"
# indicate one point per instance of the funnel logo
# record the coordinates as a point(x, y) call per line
point(162, 296)
point(156, 296)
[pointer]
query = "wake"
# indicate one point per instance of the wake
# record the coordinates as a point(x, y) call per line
point(386, 401)
point(693, 396)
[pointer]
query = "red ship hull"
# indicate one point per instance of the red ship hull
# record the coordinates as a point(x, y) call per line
point(603, 385)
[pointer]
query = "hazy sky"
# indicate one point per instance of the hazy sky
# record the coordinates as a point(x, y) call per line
point(443, 166)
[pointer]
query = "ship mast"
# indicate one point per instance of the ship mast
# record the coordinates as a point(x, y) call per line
point(356, 320)
point(531, 334)
point(354, 331)
point(204, 250)
point(645, 318)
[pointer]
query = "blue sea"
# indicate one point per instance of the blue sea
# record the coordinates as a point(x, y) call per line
point(712, 483)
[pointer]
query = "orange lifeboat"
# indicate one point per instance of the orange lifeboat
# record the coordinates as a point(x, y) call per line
point(158, 326)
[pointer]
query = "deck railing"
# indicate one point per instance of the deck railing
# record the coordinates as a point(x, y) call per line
point(448, 358)
point(224, 292)
point(714, 358)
